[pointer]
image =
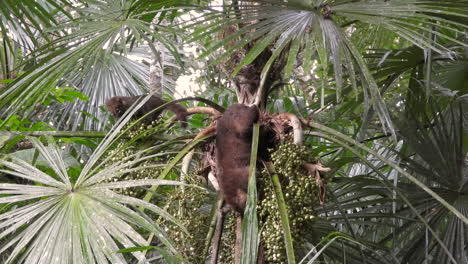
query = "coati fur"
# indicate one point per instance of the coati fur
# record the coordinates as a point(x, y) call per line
point(233, 146)
point(117, 105)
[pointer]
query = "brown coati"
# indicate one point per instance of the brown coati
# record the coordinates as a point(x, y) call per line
point(117, 105)
point(233, 147)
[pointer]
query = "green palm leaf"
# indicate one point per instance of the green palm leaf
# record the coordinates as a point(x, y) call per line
point(24, 21)
point(96, 42)
point(87, 221)
point(297, 27)
point(437, 157)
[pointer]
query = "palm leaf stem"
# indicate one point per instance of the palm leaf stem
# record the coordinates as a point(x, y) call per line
point(250, 235)
point(288, 240)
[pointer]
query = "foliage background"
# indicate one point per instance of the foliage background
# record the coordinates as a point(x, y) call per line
point(385, 82)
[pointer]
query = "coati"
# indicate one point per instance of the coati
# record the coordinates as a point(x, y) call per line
point(117, 105)
point(233, 146)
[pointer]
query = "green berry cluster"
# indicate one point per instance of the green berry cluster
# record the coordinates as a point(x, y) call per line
point(300, 194)
point(120, 153)
point(142, 174)
point(228, 239)
point(142, 129)
point(187, 205)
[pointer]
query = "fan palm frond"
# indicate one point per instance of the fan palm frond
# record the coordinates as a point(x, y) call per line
point(24, 22)
point(82, 220)
point(435, 154)
point(111, 75)
point(91, 39)
point(311, 31)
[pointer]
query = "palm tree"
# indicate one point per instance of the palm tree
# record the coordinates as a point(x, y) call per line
point(384, 81)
